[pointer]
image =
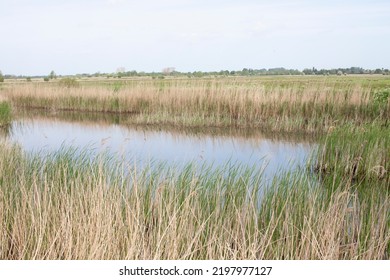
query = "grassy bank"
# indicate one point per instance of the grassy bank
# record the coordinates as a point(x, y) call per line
point(287, 104)
point(63, 206)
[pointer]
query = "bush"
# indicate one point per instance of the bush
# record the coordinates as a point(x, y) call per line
point(46, 79)
point(69, 83)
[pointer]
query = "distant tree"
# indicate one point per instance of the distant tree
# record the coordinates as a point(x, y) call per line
point(28, 79)
point(357, 70)
point(52, 75)
point(198, 74)
point(224, 72)
point(245, 72)
point(131, 73)
point(1, 77)
point(46, 79)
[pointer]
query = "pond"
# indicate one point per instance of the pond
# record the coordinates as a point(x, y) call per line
point(141, 145)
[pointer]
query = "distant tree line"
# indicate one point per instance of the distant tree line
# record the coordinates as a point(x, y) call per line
point(243, 72)
point(197, 74)
point(345, 71)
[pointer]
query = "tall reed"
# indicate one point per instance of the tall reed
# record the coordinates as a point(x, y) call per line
point(311, 106)
point(67, 206)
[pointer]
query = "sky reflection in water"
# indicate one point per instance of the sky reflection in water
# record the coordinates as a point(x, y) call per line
point(47, 135)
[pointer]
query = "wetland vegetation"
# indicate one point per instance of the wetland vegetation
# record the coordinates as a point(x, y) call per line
point(66, 206)
point(307, 104)
point(5, 113)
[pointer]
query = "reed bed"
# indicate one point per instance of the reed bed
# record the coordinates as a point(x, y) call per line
point(294, 105)
point(66, 205)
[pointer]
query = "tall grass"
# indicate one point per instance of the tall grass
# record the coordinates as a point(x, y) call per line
point(5, 113)
point(358, 154)
point(67, 206)
point(307, 105)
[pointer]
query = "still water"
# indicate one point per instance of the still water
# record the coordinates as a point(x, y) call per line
point(217, 148)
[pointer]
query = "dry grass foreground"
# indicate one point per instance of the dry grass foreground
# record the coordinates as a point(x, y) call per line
point(64, 206)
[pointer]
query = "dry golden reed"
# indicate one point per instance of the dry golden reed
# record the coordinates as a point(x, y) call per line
point(311, 105)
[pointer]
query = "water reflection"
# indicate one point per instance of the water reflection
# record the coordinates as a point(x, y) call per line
point(174, 146)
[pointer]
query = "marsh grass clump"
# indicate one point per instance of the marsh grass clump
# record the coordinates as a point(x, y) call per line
point(5, 113)
point(68, 206)
point(359, 154)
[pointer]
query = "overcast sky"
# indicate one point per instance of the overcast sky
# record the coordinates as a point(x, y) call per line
point(87, 36)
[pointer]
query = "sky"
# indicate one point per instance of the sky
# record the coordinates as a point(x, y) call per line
point(89, 36)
